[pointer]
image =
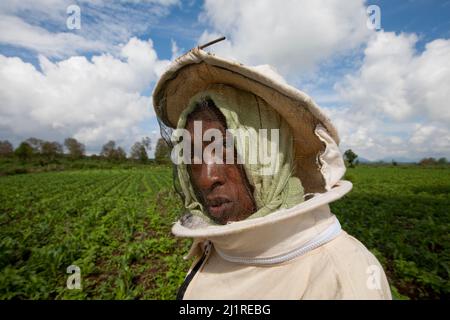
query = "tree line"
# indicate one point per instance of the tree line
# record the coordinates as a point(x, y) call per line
point(351, 159)
point(138, 152)
point(73, 149)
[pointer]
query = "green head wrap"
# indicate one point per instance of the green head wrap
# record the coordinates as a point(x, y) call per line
point(247, 112)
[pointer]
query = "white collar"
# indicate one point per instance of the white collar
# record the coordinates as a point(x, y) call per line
point(284, 232)
point(331, 232)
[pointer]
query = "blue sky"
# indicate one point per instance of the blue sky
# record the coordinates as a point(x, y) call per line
point(321, 47)
point(428, 18)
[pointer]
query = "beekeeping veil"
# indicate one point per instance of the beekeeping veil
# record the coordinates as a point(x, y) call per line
point(313, 165)
point(245, 114)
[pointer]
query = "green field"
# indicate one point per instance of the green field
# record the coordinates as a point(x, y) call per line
point(402, 215)
point(115, 225)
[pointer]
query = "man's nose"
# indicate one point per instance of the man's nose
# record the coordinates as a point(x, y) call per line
point(212, 175)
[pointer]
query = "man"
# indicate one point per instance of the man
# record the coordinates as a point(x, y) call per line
point(257, 164)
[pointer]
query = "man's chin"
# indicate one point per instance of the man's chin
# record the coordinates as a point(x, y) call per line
point(222, 214)
point(223, 218)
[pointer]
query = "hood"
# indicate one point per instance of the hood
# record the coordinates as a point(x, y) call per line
point(274, 186)
point(318, 162)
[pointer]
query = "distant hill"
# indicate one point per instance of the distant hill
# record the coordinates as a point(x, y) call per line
point(399, 159)
point(363, 160)
point(388, 160)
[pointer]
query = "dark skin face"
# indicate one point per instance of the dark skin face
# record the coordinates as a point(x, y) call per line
point(223, 189)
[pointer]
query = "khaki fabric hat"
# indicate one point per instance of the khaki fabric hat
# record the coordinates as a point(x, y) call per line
point(197, 69)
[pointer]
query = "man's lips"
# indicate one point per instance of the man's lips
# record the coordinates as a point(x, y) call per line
point(218, 205)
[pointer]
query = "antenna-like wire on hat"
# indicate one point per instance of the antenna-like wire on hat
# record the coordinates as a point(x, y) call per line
point(211, 42)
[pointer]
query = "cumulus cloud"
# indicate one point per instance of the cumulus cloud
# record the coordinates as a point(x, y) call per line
point(40, 26)
point(391, 100)
point(93, 100)
point(398, 99)
point(293, 36)
point(400, 83)
point(391, 103)
point(17, 32)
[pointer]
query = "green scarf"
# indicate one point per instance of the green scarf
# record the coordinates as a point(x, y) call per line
point(245, 111)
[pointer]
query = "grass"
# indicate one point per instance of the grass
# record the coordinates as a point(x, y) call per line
point(39, 163)
point(401, 214)
point(115, 225)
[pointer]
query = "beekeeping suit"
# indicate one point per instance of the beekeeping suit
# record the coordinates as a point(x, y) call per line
point(293, 247)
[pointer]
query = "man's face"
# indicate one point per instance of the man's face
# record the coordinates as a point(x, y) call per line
point(223, 189)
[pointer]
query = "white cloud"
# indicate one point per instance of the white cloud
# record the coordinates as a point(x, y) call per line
point(40, 26)
point(398, 99)
point(293, 36)
point(393, 101)
point(398, 82)
point(431, 138)
point(176, 52)
point(17, 32)
point(93, 100)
